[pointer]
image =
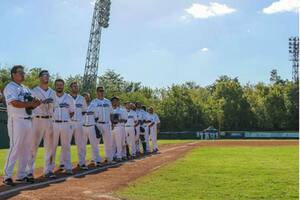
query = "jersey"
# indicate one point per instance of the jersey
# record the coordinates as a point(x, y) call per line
point(63, 106)
point(103, 109)
point(132, 118)
point(16, 92)
point(80, 106)
point(45, 109)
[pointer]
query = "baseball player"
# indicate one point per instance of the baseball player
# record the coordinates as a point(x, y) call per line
point(19, 104)
point(103, 114)
point(153, 128)
point(147, 122)
point(118, 118)
point(89, 130)
point(64, 108)
point(125, 150)
point(143, 133)
point(77, 122)
point(42, 125)
point(131, 125)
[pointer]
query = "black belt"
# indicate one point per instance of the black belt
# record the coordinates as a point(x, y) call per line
point(27, 118)
point(88, 125)
point(43, 117)
point(60, 121)
point(103, 122)
point(129, 126)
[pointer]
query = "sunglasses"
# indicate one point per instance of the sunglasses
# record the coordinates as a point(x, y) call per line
point(20, 72)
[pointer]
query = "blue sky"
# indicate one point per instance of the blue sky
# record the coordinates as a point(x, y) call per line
point(152, 41)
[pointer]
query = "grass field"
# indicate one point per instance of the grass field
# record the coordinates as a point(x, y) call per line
point(40, 157)
point(223, 173)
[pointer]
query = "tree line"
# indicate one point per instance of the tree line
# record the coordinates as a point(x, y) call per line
point(225, 104)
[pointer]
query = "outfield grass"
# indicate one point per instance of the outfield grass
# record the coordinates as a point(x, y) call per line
point(223, 173)
point(40, 156)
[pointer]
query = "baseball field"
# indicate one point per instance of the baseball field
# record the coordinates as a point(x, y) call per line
point(184, 169)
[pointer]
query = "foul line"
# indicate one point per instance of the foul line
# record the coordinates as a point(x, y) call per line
point(25, 187)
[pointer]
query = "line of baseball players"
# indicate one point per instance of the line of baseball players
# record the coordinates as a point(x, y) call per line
point(53, 115)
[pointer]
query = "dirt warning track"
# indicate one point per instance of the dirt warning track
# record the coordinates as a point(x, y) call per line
point(99, 183)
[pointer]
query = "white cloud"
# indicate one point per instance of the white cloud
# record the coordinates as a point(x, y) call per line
point(204, 49)
point(201, 11)
point(282, 6)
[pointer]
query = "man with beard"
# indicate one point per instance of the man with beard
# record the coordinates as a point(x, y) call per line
point(64, 108)
point(43, 125)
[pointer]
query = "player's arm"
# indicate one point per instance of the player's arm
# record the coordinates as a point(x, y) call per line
point(19, 104)
point(72, 107)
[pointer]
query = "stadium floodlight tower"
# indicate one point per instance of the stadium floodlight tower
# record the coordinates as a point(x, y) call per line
point(294, 56)
point(100, 20)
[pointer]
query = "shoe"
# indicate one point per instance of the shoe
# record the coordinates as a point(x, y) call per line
point(25, 180)
point(83, 167)
point(30, 176)
point(61, 167)
point(9, 182)
point(98, 164)
point(92, 162)
point(50, 175)
point(119, 160)
point(69, 172)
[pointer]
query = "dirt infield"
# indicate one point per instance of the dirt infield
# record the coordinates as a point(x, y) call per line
point(99, 183)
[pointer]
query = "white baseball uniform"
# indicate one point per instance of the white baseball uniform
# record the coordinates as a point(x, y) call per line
point(77, 122)
point(143, 116)
point(153, 129)
point(102, 114)
point(118, 133)
point(90, 132)
point(124, 135)
point(62, 128)
point(19, 126)
point(130, 131)
point(42, 128)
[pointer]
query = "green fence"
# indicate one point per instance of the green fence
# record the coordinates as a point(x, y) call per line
point(4, 140)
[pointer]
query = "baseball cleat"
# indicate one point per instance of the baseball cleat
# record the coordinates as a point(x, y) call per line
point(9, 182)
point(61, 167)
point(50, 175)
point(83, 167)
point(30, 176)
point(25, 180)
point(69, 172)
point(98, 164)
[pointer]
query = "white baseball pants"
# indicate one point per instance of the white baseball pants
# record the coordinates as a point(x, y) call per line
point(64, 132)
point(42, 129)
point(20, 133)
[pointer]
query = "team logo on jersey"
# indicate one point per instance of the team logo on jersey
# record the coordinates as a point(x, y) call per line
point(103, 105)
point(79, 105)
point(130, 117)
point(64, 105)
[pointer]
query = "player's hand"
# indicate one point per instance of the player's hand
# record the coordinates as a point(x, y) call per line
point(71, 114)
